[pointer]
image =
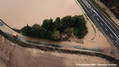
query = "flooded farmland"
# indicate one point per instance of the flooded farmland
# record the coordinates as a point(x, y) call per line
point(18, 13)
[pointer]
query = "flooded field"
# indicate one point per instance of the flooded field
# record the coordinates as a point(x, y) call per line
point(18, 13)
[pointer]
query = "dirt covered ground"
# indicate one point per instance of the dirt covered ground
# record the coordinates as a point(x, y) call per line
point(12, 55)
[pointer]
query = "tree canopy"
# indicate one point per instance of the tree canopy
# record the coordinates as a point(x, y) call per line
point(53, 30)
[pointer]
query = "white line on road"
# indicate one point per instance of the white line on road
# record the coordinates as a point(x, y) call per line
point(91, 11)
point(91, 4)
point(101, 24)
point(116, 42)
point(111, 35)
point(102, 15)
point(106, 29)
point(106, 24)
point(98, 24)
point(98, 19)
point(85, 7)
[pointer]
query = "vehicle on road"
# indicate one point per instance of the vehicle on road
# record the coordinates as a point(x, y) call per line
point(15, 35)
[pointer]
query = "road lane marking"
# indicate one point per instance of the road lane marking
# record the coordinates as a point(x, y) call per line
point(95, 15)
point(106, 24)
point(111, 35)
point(106, 29)
point(98, 24)
point(115, 35)
point(102, 15)
point(87, 4)
point(91, 4)
point(101, 24)
point(116, 42)
point(85, 7)
point(109, 23)
point(98, 19)
point(91, 11)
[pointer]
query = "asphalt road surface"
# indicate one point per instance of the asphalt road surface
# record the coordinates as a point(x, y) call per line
point(1, 23)
point(100, 21)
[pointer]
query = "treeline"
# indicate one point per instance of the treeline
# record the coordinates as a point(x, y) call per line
point(53, 30)
point(113, 5)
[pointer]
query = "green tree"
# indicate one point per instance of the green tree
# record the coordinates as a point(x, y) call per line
point(36, 26)
point(42, 33)
point(57, 24)
point(69, 31)
point(67, 22)
point(26, 30)
point(79, 21)
point(52, 30)
point(48, 24)
point(80, 32)
point(35, 30)
point(56, 35)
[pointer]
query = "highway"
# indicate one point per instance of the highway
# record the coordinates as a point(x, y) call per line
point(100, 21)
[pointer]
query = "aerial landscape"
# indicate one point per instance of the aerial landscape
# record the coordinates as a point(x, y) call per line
point(59, 33)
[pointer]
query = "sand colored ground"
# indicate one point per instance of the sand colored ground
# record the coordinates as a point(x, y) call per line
point(12, 55)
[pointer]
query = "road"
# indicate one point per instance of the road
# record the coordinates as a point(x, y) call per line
point(100, 21)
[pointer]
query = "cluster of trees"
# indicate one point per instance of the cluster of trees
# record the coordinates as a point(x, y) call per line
point(113, 5)
point(53, 29)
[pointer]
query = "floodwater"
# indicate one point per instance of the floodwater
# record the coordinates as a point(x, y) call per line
point(18, 13)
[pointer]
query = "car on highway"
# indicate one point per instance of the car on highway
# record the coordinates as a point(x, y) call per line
point(15, 35)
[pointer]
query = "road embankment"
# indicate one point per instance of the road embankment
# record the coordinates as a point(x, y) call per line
point(45, 48)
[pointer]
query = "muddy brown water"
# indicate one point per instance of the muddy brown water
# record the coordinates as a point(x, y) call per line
point(18, 13)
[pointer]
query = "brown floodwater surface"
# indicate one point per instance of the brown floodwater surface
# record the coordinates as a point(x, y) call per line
point(18, 13)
